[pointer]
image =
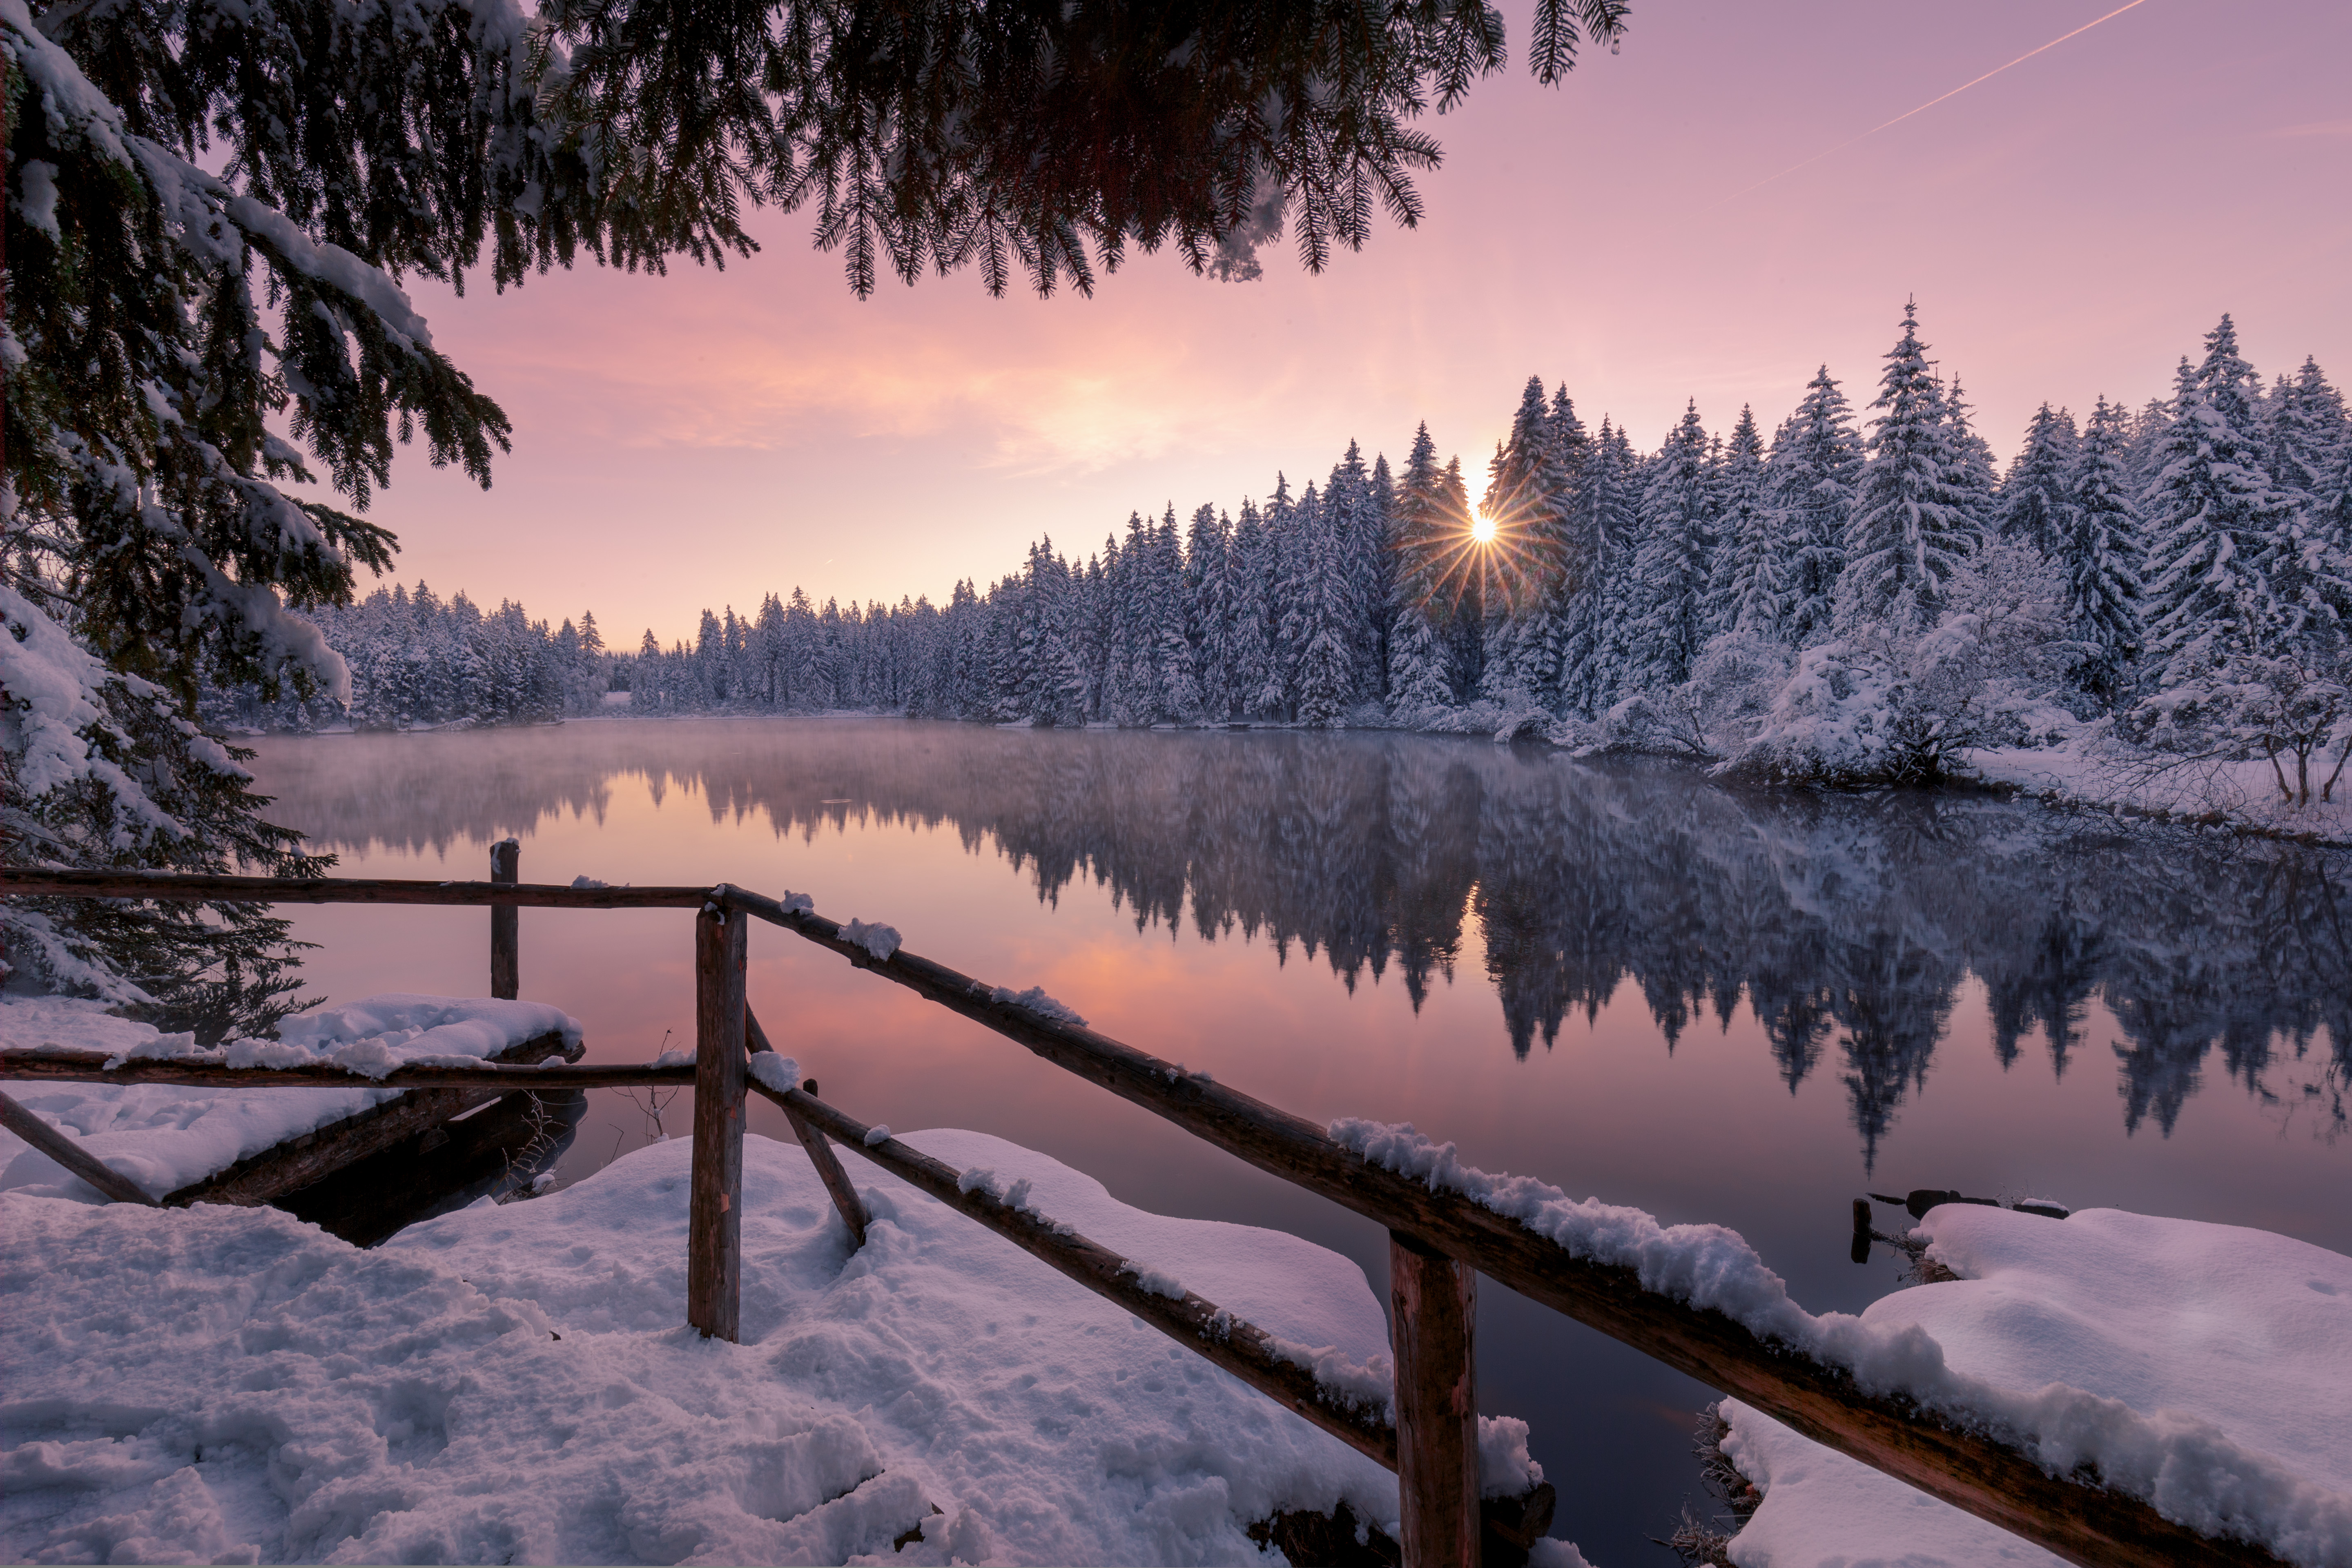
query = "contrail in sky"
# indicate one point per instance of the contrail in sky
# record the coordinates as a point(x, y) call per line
point(1934, 102)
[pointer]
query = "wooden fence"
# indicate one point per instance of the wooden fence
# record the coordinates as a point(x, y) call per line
point(1440, 1242)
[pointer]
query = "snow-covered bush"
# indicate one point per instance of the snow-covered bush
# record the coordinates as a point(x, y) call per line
point(2293, 709)
point(1883, 705)
point(1880, 707)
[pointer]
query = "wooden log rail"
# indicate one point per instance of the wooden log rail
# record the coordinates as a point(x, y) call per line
point(2074, 1517)
point(177, 889)
point(89, 1067)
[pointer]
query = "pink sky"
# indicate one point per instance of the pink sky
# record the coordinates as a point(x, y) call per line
point(2070, 227)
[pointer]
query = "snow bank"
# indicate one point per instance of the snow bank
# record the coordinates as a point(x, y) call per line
point(2095, 773)
point(2190, 1470)
point(167, 1136)
point(2238, 1332)
point(513, 1384)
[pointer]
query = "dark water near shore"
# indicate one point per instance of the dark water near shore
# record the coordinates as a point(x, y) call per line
point(1738, 1008)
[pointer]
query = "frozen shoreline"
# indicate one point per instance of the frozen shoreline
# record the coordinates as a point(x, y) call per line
point(2240, 797)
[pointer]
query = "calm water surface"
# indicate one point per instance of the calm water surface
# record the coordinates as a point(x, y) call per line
point(1745, 1009)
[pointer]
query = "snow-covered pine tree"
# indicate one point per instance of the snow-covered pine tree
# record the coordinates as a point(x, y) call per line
point(1529, 492)
point(1749, 591)
point(1571, 444)
point(1674, 559)
point(1253, 576)
point(1380, 576)
point(2305, 441)
point(2148, 426)
point(2212, 516)
point(1421, 548)
point(2034, 495)
point(1975, 469)
point(1356, 536)
point(1602, 527)
point(1464, 629)
point(1915, 515)
point(1322, 619)
point(2101, 553)
point(1286, 559)
point(1210, 571)
point(1298, 603)
point(1810, 479)
point(1176, 675)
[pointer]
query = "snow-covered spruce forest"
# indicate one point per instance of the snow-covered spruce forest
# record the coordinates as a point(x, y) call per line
point(1854, 598)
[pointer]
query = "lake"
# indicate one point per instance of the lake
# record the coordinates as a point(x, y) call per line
point(1743, 1007)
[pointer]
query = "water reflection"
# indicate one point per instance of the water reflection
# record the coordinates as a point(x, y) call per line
point(1848, 925)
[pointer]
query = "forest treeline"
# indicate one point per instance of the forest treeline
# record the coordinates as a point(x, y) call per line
point(1840, 600)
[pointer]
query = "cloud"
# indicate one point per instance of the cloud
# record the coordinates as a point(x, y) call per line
point(1074, 386)
point(2316, 127)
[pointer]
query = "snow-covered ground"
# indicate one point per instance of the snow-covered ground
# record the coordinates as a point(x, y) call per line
point(515, 1383)
point(2242, 1333)
point(167, 1136)
point(2244, 794)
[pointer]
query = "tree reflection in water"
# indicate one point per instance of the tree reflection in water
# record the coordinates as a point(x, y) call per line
point(1847, 923)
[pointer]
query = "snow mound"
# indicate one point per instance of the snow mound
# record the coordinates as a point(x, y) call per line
point(2190, 1327)
point(1035, 1000)
point(167, 1136)
point(781, 1074)
point(878, 940)
point(514, 1383)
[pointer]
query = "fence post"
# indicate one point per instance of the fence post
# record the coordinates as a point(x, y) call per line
point(1434, 1308)
point(715, 1209)
point(506, 923)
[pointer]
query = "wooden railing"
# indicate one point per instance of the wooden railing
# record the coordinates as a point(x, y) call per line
point(1440, 1241)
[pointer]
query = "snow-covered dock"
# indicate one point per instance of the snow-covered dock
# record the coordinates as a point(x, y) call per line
point(180, 1144)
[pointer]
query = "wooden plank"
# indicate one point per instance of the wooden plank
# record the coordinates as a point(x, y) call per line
point(89, 1067)
point(70, 1154)
point(506, 923)
point(1198, 1324)
point(290, 1166)
point(1977, 1472)
point(715, 1208)
point(192, 889)
point(437, 1170)
point(846, 1200)
point(1433, 1315)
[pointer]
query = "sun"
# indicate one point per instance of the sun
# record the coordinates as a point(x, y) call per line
point(1482, 529)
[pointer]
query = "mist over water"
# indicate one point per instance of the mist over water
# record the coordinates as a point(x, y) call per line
point(1739, 1008)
